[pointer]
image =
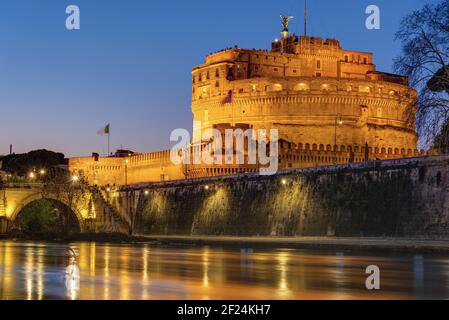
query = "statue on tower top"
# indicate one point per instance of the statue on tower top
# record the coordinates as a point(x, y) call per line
point(285, 21)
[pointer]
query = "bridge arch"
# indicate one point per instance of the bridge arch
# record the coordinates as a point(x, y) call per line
point(36, 196)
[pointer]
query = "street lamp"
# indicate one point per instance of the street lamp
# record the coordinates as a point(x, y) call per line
point(75, 178)
point(126, 172)
point(338, 122)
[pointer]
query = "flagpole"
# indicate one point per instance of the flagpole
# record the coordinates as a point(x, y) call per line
point(305, 17)
point(109, 143)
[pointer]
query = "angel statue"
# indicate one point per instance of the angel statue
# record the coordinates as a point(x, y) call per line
point(285, 21)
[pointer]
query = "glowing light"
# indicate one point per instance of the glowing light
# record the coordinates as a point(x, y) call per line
point(32, 175)
point(206, 187)
point(75, 178)
point(42, 172)
point(284, 182)
point(147, 192)
point(108, 189)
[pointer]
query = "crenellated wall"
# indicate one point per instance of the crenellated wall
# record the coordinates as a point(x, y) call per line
point(138, 168)
point(406, 197)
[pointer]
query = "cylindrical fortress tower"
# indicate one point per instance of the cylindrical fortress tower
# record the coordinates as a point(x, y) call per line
point(319, 96)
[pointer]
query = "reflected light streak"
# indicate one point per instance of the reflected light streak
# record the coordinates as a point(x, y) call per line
point(92, 252)
point(29, 266)
point(72, 279)
point(40, 273)
point(124, 277)
point(106, 272)
point(206, 267)
point(145, 263)
point(283, 258)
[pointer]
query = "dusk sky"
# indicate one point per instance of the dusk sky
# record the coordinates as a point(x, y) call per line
point(130, 64)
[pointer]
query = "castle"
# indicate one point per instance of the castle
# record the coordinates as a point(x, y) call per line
point(329, 105)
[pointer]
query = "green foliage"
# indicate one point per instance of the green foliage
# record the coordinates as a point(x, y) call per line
point(39, 217)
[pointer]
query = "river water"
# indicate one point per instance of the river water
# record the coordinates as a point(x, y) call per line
point(38, 270)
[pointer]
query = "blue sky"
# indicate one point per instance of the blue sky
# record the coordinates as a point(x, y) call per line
point(130, 63)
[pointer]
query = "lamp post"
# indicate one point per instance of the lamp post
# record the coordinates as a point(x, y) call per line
point(126, 172)
point(129, 213)
point(338, 122)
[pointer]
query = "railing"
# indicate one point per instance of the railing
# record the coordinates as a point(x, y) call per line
point(21, 185)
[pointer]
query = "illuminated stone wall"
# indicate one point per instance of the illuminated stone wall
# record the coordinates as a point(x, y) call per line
point(315, 94)
point(138, 168)
point(394, 198)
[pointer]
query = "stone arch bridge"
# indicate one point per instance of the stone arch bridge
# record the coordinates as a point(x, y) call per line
point(91, 206)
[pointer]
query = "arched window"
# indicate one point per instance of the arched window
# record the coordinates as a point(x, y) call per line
point(365, 89)
point(301, 87)
point(275, 87)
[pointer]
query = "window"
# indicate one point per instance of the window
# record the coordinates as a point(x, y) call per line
point(276, 69)
point(318, 74)
point(294, 71)
point(301, 87)
point(208, 75)
point(365, 89)
point(217, 84)
point(365, 60)
point(217, 73)
point(318, 64)
point(193, 79)
point(275, 87)
point(200, 78)
point(346, 58)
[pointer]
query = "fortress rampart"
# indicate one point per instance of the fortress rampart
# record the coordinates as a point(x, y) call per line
point(329, 105)
point(303, 91)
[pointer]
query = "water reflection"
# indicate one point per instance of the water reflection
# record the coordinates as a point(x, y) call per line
point(72, 279)
point(101, 271)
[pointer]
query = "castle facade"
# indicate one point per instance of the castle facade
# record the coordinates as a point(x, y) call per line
point(329, 105)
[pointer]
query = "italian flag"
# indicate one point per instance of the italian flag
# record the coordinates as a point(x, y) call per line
point(105, 130)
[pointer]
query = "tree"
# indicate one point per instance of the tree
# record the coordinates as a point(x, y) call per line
point(22, 164)
point(424, 35)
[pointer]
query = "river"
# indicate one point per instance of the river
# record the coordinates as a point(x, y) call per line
point(84, 270)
